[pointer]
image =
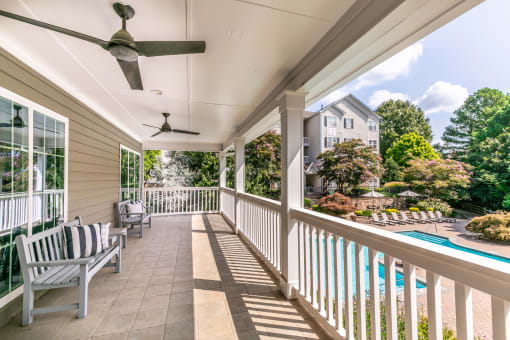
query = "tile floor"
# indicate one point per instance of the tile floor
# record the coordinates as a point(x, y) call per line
point(188, 278)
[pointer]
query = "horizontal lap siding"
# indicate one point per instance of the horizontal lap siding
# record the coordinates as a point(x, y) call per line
point(94, 143)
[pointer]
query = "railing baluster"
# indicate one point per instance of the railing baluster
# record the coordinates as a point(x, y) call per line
point(464, 311)
point(500, 319)
point(349, 310)
point(434, 306)
point(375, 308)
point(411, 323)
point(360, 291)
point(337, 258)
point(301, 253)
point(329, 278)
point(313, 267)
point(390, 297)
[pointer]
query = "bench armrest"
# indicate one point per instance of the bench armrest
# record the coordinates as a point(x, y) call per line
point(132, 214)
point(85, 260)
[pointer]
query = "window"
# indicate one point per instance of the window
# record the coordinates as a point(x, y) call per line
point(347, 139)
point(348, 123)
point(372, 126)
point(330, 124)
point(47, 195)
point(373, 144)
point(129, 174)
point(330, 141)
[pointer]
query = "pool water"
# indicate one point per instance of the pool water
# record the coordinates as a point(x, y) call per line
point(399, 278)
point(443, 241)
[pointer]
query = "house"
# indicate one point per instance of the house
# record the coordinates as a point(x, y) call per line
point(345, 119)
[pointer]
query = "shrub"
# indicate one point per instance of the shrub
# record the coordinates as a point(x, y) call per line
point(367, 213)
point(358, 212)
point(307, 202)
point(492, 226)
point(506, 202)
point(336, 204)
point(435, 204)
point(357, 191)
point(316, 207)
point(414, 209)
point(389, 211)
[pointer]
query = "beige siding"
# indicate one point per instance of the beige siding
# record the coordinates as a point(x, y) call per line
point(94, 143)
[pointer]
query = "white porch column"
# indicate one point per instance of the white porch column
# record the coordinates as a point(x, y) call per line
point(239, 179)
point(223, 169)
point(291, 105)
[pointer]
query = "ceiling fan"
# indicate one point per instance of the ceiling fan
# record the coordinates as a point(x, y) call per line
point(123, 46)
point(16, 122)
point(165, 128)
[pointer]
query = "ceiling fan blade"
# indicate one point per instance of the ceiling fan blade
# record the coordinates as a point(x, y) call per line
point(94, 40)
point(132, 73)
point(151, 126)
point(157, 133)
point(187, 132)
point(160, 48)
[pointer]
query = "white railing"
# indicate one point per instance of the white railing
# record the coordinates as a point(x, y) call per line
point(228, 203)
point(14, 208)
point(260, 224)
point(182, 200)
point(328, 244)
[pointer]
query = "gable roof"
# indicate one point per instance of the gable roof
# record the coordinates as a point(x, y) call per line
point(354, 101)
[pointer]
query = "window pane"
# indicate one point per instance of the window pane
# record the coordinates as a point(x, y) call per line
point(60, 138)
point(5, 170)
point(5, 122)
point(59, 176)
point(49, 135)
point(131, 170)
point(20, 171)
point(50, 172)
point(38, 131)
point(124, 169)
point(20, 126)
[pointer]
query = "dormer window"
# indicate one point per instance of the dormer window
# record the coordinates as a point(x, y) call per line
point(348, 123)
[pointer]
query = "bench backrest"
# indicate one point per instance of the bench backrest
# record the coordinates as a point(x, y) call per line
point(47, 245)
point(121, 208)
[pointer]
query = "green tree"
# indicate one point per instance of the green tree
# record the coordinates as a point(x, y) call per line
point(446, 179)
point(391, 171)
point(349, 163)
point(151, 162)
point(468, 119)
point(204, 165)
point(399, 118)
point(262, 160)
point(409, 146)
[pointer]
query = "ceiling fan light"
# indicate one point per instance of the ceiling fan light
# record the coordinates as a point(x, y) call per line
point(124, 53)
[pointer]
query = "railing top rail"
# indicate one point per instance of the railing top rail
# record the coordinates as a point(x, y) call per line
point(229, 190)
point(272, 204)
point(485, 274)
point(179, 188)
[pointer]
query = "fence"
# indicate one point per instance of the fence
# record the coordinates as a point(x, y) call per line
point(182, 200)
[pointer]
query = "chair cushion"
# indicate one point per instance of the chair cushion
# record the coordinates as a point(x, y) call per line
point(105, 232)
point(82, 241)
point(135, 208)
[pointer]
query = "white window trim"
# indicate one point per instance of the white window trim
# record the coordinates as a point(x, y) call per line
point(33, 106)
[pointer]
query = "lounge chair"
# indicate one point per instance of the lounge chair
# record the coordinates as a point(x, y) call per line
point(377, 221)
point(434, 218)
point(418, 219)
point(396, 219)
point(427, 219)
point(386, 219)
point(446, 219)
point(404, 218)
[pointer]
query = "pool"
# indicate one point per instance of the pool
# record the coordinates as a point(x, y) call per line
point(444, 241)
point(399, 278)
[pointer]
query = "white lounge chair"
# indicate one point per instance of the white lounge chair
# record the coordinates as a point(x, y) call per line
point(426, 218)
point(396, 219)
point(377, 221)
point(404, 218)
point(386, 219)
point(446, 219)
point(434, 218)
point(418, 219)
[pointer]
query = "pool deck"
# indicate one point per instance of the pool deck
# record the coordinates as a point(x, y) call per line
point(456, 232)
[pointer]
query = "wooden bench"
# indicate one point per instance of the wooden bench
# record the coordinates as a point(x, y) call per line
point(43, 267)
point(132, 219)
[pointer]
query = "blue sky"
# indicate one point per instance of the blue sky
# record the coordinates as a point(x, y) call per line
point(440, 71)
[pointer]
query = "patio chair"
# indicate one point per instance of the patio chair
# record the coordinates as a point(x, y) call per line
point(434, 218)
point(386, 219)
point(132, 219)
point(377, 221)
point(446, 219)
point(395, 218)
point(404, 218)
point(426, 218)
point(418, 219)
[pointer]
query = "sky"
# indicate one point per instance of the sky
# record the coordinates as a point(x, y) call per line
point(438, 72)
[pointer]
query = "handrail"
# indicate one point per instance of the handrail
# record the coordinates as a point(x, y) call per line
point(272, 204)
point(470, 269)
point(178, 188)
point(229, 190)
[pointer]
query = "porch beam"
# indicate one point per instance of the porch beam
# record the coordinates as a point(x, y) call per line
point(171, 146)
point(291, 107)
point(239, 177)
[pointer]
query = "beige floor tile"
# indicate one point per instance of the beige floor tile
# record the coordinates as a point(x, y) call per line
point(180, 313)
point(115, 336)
point(154, 290)
point(115, 323)
point(181, 299)
point(206, 310)
point(216, 326)
point(150, 318)
point(152, 333)
point(80, 328)
point(183, 330)
point(155, 302)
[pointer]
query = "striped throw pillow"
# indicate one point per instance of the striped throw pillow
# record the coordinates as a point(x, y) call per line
point(82, 241)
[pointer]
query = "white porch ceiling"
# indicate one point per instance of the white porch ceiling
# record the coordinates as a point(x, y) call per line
point(251, 46)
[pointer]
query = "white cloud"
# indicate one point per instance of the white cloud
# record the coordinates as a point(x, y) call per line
point(383, 95)
point(442, 97)
point(396, 66)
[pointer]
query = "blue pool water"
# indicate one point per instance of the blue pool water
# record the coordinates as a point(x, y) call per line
point(443, 241)
point(399, 278)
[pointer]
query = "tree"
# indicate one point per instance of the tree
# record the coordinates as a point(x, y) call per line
point(399, 118)
point(409, 146)
point(472, 116)
point(350, 163)
point(445, 179)
point(391, 171)
point(204, 166)
point(262, 159)
point(151, 163)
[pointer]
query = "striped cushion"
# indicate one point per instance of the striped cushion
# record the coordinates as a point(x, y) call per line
point(82, 241)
